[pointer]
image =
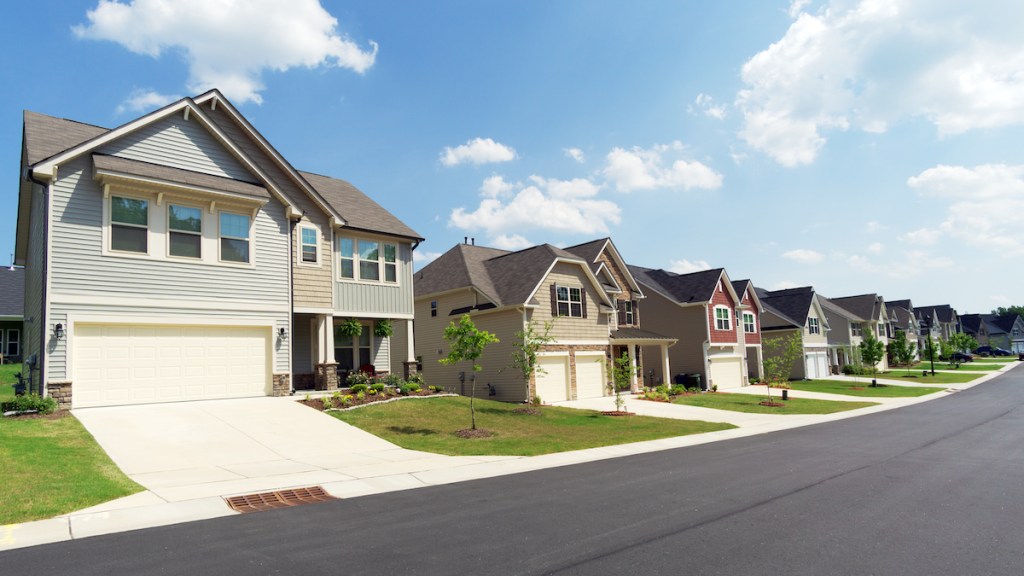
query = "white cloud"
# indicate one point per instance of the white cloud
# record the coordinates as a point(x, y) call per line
point(784, 285)
point(797, 6)
point(567, 206)
point(921, 237)
point(986, 207)
point(686, 266)
point(876, 248)
point(511, 242)
point(421, 258)
point(866, 65)
point(227, 44)
point(643, 169)
point(143, 100)
point(477, 151)
point(495, 187)
point(804, 256)
point(576, 154)
point(706, 105)
point(874, 226)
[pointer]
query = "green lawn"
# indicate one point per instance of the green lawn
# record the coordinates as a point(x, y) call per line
point(996, 358)
point(969, 366)
point(430, 425)
point(7, 380)
point(51, 467)
point(751, 403)
point(915, 377)
point(861, 389)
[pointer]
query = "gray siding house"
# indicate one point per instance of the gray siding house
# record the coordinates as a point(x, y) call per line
point(12, 306)
point(161, 258)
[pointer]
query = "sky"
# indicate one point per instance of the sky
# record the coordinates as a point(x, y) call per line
point(856, 146)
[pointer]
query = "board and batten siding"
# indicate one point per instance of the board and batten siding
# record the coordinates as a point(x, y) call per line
point(312, 285)
point(179, 143)
point(378, 299)
point(592, 328)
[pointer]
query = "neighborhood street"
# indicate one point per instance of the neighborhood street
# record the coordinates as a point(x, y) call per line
point(929, 489)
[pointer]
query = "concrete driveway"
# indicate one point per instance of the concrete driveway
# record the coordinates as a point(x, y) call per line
point(189, 450)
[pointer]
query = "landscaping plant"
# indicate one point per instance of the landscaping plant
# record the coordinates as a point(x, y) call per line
point(780, 353)
point(467, 344)
point(872, 350)
point(524, 351)
point(902, 350)
point(620, 373)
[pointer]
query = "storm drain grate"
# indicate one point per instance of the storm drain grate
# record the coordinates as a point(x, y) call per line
point(279, 499)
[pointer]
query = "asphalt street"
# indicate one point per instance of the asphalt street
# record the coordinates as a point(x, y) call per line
point(936, 488)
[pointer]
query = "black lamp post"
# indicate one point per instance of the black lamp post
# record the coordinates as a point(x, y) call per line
point(927, 327)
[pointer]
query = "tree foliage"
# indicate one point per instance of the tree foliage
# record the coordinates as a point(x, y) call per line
point(528, 344)
point(467, 344)
point(901, 349)
point(620, 374)
point(780, 353)
point(872, 350)
point(1016, 309)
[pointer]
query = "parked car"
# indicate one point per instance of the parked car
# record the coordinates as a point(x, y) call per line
point(961, 357)
point(983, 350)
point(1001, 352)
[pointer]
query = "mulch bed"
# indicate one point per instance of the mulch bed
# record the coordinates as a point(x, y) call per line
point(617, 413)
point(771, 404)
point(326, 401)
point(36, 416)
point(470, 433)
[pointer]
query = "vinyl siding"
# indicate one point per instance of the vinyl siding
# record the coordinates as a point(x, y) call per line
point(687, 324)
point(312, 285)
point(34, 282)
point(382, 353)
point(594, 327)
point(799, 369)
point(302, 344)
point(399, 346)
point(355, 298)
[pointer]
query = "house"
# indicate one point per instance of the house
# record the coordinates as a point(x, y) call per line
point(12, 304)
point(796, 312)
point(942, 320)
point(902, 319)
point(1004, 331)
point(751, 314)
point(711, 321)
point(179, 256)
point(871, 308)
point(584, 292)
point(843, 336)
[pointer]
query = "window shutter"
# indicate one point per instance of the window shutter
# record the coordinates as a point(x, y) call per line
point(636, 312)
point(583, 301)
point(554, 301)
point(622, 312)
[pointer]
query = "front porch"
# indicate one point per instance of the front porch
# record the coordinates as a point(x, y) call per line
point(630, 341)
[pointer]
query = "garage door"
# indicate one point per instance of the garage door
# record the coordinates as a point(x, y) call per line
point(553, 378)
point(816, 365)
point(590, 376)
point(138, 364)
point(726, 372)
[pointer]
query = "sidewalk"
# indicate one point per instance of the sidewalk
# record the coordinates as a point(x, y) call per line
point(392, 469)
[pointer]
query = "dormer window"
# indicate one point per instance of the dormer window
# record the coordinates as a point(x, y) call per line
point(569, 302)
point(749, 325)
point(723, 318)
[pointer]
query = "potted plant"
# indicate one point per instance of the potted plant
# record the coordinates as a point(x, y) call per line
point(350, 327)
point(383, 328)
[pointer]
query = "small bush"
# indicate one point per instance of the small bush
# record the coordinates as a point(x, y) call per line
point(371, 392)
point(403, 390)
point(393, 380)
point(677, 390)
point(693, 390)
point(354, 378)
point(377, 386)
point(29, 402)
point(412, 387)
point(358, 388)
point(361, 395)
point(536, 400)
point(849, 369)
point(417, 379)
point(661, 389)
point(346, 399)
point(714, 387)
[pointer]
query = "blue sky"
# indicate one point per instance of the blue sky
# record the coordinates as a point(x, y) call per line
point(856, 146)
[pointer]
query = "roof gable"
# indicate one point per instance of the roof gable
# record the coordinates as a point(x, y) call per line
point(360, 211)
point(790, 304)
point(592, 252)
point(12, 292)
point(694, 288)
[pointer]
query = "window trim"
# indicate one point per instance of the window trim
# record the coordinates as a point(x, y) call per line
point(220, 238)
point(7, 341)
point(108, 241)
point(753, 323)
point(357, 261)
point(202, 227)
point(628, 315)
point(727, 319)
point(813, 325)
point(569, 301)
point(299, 254)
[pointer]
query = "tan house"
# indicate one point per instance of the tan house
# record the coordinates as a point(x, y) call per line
point(797, 311)
point(585, 291)
point(872, 310)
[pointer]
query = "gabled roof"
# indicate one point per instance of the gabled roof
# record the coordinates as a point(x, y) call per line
point(943, 312)
point(1005, 322)
point(867, 306)
point(791, 305)
point(591, 252)
point(12, 292)
point(832, 309)
point(359, 210)
point(902, 318)
point(693, 288)
point(741, 286)
point(971, 323)
point(904, 304)
point(46, 136)
point(504, 278)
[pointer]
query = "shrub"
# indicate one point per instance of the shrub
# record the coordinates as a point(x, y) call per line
point(357, 378)
point(677, 390)
point(393, 380)
point(412, 387)
point(849, 369)
point(693, 390)
point(536, 400)
point(372, 392)
point(346, 399)
point(661, 389)
point(403, 390)
point(358, 388)
point(377, 386)
point(361, 395)
point(416, 379)
point(29, 402)
point(714, 387)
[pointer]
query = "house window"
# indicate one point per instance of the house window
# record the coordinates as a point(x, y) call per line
point(569, 301)
point(856, 329)
point(748, 323)
point(881, 330)
point(13, 347)
point(129, 224)
point(346, 252)
point(375, 261)
point(309, 244)
point(185, 231)
point(813, 327)
point(433, 307)
point(352, 352)
point(234, 237)
point(723, 319)
point(390, 263)
point(627, 308)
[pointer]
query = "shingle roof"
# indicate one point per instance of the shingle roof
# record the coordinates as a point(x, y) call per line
point(637, 334)
point(47, 136)
point(696, 287)
point(1004, 322)
point(904, 304)
point(944, 312)
point(359, 210)
point(866, 306)
point(505, 278)
point(589, 251)
point(971, 323)
point(831, 308)
point(792, 304)
point(903, 317)
point(12, 291)
point(116, 165)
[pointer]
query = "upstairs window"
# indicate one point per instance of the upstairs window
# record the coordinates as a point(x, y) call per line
point(813, 327)
point(723, 318)
point(129, 225)
point(367, 260)
point(346, 253)
point(390, 263)
point(569, 301)
point(185, 231)
point(309, 244)
point(234, 237)
point(627, 311)
point(856, 329)
point(748, 323)
point(433, 307)
point(881, 329)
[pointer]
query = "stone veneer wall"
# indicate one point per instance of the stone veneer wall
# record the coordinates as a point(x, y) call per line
point(282, 385)
point(60, 391)
point(327, 376)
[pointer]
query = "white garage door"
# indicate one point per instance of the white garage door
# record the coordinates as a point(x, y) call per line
point(726, 372)
point(816, 364)
point(590, 376)
point(553, 378)
point(137, 364)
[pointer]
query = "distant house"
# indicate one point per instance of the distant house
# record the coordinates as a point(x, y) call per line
point(942, 319)
point(902, 319)
point(12, 304)
point(844, 335)
point(585, 291)
point(871, 308)
point(796, 311)
point(718, 328)
point(998, 331)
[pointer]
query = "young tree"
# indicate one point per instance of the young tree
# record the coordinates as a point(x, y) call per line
point(1002, 310)
point(467, 344)
point(945, 349)
point(780, 354)
point(620, 373)
point(528, 343)
point(961, 342)
point(931, 349)
point(902, 350)
point(872, 351)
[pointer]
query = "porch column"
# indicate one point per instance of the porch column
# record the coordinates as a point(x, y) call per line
point(665, 370)
point(326, 368)
point(633, 387)
point(409, 366)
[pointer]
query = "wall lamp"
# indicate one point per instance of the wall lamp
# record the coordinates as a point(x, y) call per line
point(282, 333)
point(58, 331)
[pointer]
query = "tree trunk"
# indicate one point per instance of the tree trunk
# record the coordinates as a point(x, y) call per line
point(472, 409)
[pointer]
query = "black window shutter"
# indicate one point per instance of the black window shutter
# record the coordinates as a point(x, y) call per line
point(554, 301)
point(583, 301)
point(622, 312)
point(636, 312)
